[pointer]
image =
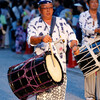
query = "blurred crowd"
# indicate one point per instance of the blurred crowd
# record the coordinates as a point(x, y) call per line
point(16, 14)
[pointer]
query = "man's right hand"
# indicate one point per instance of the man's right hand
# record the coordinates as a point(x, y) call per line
point(35, 40)
point(47, 38)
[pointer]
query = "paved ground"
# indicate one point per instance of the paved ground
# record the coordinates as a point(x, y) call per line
point(9, 58)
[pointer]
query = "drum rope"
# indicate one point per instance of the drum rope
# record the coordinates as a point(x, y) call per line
point(93, 55)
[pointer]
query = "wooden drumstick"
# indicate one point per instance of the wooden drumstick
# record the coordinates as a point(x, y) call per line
point(52, 55)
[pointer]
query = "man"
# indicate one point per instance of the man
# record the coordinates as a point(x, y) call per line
point(89, 24)
point(39, 37)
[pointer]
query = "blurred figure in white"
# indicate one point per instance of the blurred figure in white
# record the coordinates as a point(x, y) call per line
point(67, 12)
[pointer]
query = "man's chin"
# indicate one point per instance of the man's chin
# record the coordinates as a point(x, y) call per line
point(48, 17)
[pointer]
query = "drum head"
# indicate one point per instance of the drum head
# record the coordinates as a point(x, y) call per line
point(54, 68)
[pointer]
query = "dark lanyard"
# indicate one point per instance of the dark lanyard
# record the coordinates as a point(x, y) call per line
point(53, 23)
point(98, 17)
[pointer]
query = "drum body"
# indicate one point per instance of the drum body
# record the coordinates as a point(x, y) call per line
point(35, 75)
point(89, 59)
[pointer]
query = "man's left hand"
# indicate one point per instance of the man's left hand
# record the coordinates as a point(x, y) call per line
point(74, 46)
point(75, 50)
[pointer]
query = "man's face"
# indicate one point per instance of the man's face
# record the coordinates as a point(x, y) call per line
point(46, 10)
point(93, 4)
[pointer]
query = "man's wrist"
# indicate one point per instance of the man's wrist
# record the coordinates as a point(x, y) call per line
point(42, 38)
point(74, 46)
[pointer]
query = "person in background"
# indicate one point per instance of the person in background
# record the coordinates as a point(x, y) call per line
point(20, 6)
point(15, 9)
point(76, 26)
point(2, 32)
point(25, 24)
point(26, 14)
point(75, 18)
point(27, 3)
point(16, 13)
point(34, 10)
point(4, 18)
point(39, 37)
point(20, 36)
point(58, 7)
point(89, 24)
point(67, 12)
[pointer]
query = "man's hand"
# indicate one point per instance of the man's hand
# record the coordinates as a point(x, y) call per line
point(35, 40)
point(74, 46)
point(75, 50)
point(47, 38)
point(97, 30)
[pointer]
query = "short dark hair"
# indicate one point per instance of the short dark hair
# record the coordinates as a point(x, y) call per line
point(68, 3)
point(88, 1)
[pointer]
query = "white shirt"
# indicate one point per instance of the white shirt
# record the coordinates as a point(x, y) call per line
point(86, 24)
point(62, 31)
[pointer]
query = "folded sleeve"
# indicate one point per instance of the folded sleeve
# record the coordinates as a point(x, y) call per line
point(31, 30)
